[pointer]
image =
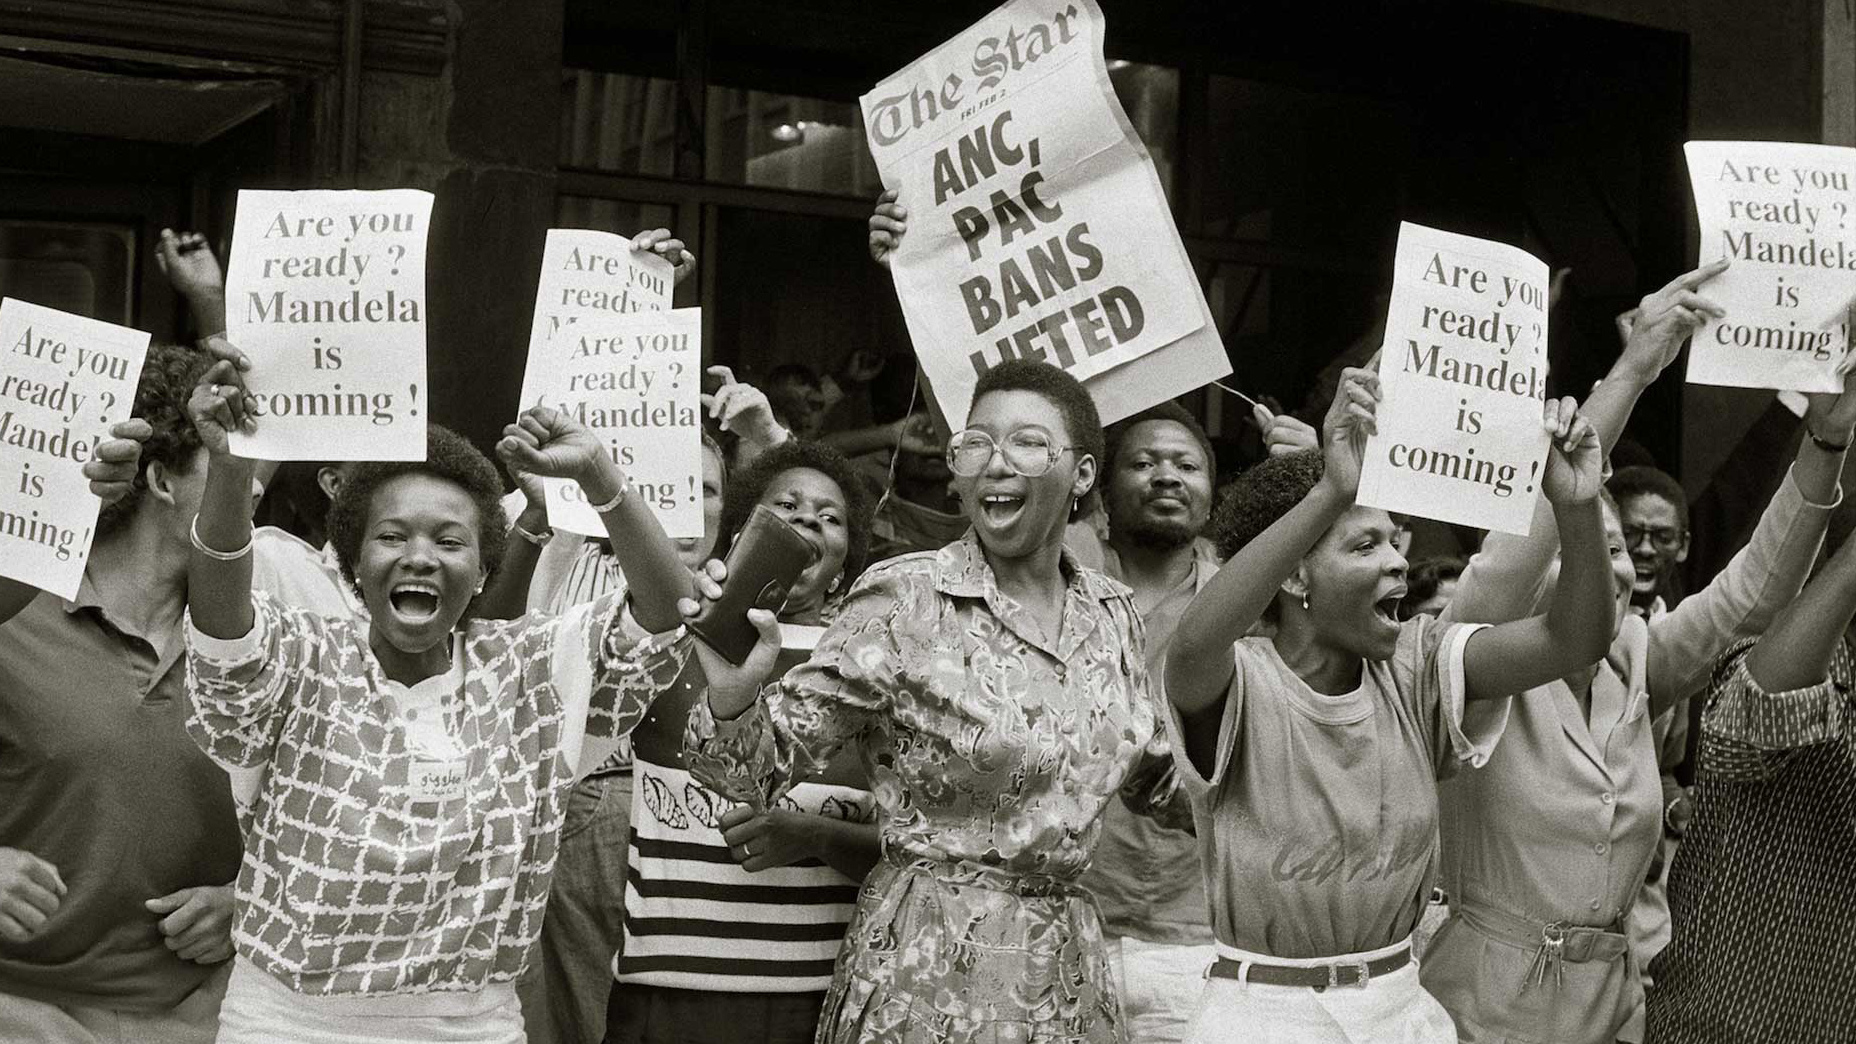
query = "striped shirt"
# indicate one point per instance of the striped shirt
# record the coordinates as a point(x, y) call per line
point(694, 919)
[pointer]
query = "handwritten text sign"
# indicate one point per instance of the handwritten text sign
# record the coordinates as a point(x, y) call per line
point(636, 380)
point(1037, 225)
point(1464, 376)
point(1785, 217)
point(64, 380)
point(326, 293)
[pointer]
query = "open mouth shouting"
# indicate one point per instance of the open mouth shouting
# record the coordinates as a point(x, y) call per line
point(415, 601)
point(1385, 610)
point(1001, 509)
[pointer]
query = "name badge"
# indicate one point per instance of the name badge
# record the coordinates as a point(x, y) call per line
point(436, 780)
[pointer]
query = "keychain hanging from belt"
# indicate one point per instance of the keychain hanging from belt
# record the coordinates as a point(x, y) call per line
point(1550, 954)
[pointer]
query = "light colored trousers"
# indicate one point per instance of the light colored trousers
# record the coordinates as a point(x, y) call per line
point(195, 1020)
point(1160, 985)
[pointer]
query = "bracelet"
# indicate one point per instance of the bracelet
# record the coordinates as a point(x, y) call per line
point(538, 539)
point(1825, 444)
point(193, 535)
point(617, 499)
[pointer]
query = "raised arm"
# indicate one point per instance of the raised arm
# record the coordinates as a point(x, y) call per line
point(1578, 626)
point(546, 442)
point(1765, 575)
point(219, 570)
point(188, 262)
point(742, 410)
point(1796, 650)
point(1504, 580)
point(1199, 661)
point(505, 595)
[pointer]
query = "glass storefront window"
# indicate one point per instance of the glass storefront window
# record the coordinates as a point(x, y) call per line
point(617, 123)
point(627, 125)
point(789, 142)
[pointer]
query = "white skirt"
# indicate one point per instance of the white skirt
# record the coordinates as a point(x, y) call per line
point(260, 1010)
point(1389, 1009)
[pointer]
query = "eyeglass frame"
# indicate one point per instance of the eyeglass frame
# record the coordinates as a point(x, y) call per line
point(998, 449)
point(1633, 534)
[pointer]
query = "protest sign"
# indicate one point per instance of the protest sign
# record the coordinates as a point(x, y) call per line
point(636, 380)
point(1781, 213)
point(1463, 378)
point(325, 292)
point(588, 274)
point(1037, 225)
point(64, 380)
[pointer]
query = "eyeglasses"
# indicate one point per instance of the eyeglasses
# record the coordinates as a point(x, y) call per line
point(1662, 539)
point(1027, 452)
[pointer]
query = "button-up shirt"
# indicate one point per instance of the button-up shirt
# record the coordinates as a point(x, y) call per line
point(1563, 820)
point(986, 741)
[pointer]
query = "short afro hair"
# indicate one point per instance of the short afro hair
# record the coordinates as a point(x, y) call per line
point(169, 374)
point(1169, 410)
point(1424, 578)
point(448, 457)
point(1642, 480)
point(1071, 399)
point(1257, 498)
point(746, 487)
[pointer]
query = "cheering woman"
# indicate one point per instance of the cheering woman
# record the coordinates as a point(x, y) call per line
point(998, 693)
point(1313, 753)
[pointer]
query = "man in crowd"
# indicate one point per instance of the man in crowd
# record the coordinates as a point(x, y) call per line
point(1158, 490)
point(118, 840)
point(1654, 513)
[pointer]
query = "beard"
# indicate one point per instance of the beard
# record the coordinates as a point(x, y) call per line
point(1156, 534)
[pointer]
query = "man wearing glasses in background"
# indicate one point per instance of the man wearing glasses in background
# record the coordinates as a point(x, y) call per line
point(1654, 514)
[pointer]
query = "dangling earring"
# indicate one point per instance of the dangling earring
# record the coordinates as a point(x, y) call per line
point(1304, 599)
point(833, 589)
point(1075, 504)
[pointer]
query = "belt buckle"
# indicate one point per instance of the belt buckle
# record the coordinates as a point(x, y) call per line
point(1366, 975)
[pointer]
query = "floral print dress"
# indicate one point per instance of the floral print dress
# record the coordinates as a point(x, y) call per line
point(992, 750)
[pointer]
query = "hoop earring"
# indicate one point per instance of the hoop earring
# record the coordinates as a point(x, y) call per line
point(833, 588)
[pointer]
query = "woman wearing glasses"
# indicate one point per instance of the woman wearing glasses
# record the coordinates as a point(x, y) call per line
point(999, 698)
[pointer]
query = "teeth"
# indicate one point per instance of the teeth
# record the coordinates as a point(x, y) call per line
point(416, 587)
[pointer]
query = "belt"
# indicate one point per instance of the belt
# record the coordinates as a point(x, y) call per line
point(998, 879)
point(1576, 944)
point(1318, 977)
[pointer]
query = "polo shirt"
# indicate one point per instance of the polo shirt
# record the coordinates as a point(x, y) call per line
point(99, 778)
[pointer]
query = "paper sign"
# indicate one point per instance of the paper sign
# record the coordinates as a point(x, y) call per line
point(1463, 379)
point(1037, 225)
point(588, 274)
point(636, 380)
point(64, 380)
point(1785, 216)
point(326, 293)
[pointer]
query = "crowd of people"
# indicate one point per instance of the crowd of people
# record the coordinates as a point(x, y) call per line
point(1053, 741)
